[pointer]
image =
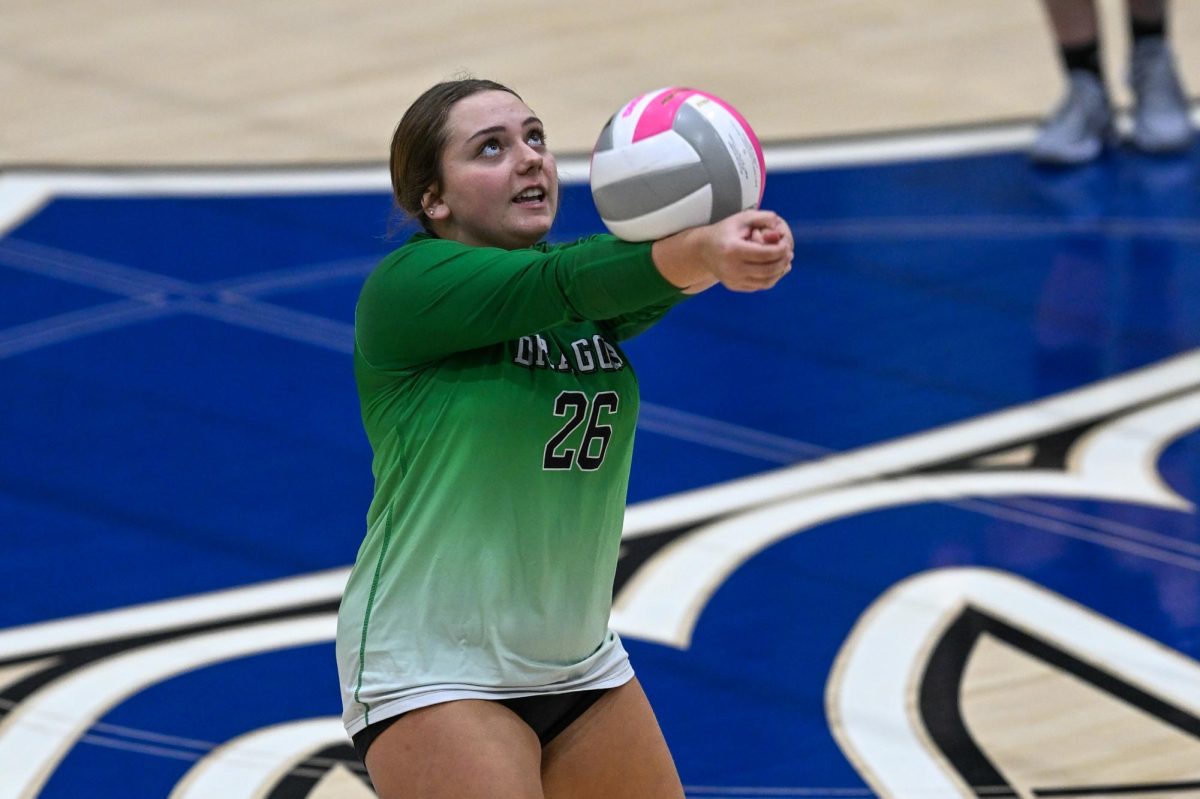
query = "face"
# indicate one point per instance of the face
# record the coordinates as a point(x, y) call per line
point(499, 183)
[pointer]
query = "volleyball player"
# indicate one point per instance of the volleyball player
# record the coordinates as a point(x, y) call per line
point(473, 644)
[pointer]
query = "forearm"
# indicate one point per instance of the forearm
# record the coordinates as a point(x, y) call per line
point(681, 260)
point(748, 251)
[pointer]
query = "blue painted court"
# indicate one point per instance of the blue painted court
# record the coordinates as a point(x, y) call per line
point(871, 511)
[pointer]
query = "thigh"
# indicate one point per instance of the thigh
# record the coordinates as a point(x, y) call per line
point(468, 749)
point(613, 751)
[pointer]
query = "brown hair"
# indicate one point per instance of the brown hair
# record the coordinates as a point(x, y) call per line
point(416, 160)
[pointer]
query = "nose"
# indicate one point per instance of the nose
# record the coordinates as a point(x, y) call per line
point(530, 158)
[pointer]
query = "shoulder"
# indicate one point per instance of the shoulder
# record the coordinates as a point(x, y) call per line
point(420, 247)
point(415, 257)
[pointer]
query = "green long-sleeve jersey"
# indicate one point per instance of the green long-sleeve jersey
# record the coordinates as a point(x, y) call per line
point(501, 410)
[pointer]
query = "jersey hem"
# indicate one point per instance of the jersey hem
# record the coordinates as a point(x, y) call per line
point(439, 694)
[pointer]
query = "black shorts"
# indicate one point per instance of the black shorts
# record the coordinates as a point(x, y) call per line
point(546, 714)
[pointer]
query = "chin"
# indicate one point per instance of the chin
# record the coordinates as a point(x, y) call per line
point(532, 234)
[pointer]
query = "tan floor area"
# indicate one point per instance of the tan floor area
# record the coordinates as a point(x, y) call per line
point(155, 82)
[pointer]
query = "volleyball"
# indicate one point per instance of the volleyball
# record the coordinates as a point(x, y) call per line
point(671, 159)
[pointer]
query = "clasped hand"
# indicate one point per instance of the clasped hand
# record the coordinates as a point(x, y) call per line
point(750, 251)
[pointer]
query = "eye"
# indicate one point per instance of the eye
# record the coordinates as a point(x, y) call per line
point(490, 147)
point(536, 137)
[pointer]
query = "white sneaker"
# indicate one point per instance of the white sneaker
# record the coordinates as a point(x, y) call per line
point(1081, 125)
point(1160, 114)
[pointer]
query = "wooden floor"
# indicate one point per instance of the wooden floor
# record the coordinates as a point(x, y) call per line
point(99, 82)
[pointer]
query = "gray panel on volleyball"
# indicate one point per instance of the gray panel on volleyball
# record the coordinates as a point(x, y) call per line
point(637, 196)
point(605, 140)
point(722, 171)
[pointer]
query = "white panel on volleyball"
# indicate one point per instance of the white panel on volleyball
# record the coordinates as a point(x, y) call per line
point(664, 151)
point(698, 204)
point(625, 123)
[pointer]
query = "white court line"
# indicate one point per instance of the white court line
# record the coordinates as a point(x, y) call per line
point(140, 748)
point(890, 148)
point(83, 270)
point(23, 192)
point(116, 736)
point(1112, 541)
point(296, 277)
point(1051, 512)
point(21, 197)
point(276, 320)
point(76, 324)
point(205, 181)
point(724, 436)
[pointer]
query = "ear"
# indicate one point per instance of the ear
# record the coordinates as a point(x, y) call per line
point(433, 206)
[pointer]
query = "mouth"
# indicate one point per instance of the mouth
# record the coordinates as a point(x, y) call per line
point(532, 196)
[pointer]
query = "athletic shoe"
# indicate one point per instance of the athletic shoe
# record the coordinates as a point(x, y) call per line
point(1080, 127)
point(1160, 114)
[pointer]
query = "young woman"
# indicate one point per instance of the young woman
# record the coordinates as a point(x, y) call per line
point(473, 644)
